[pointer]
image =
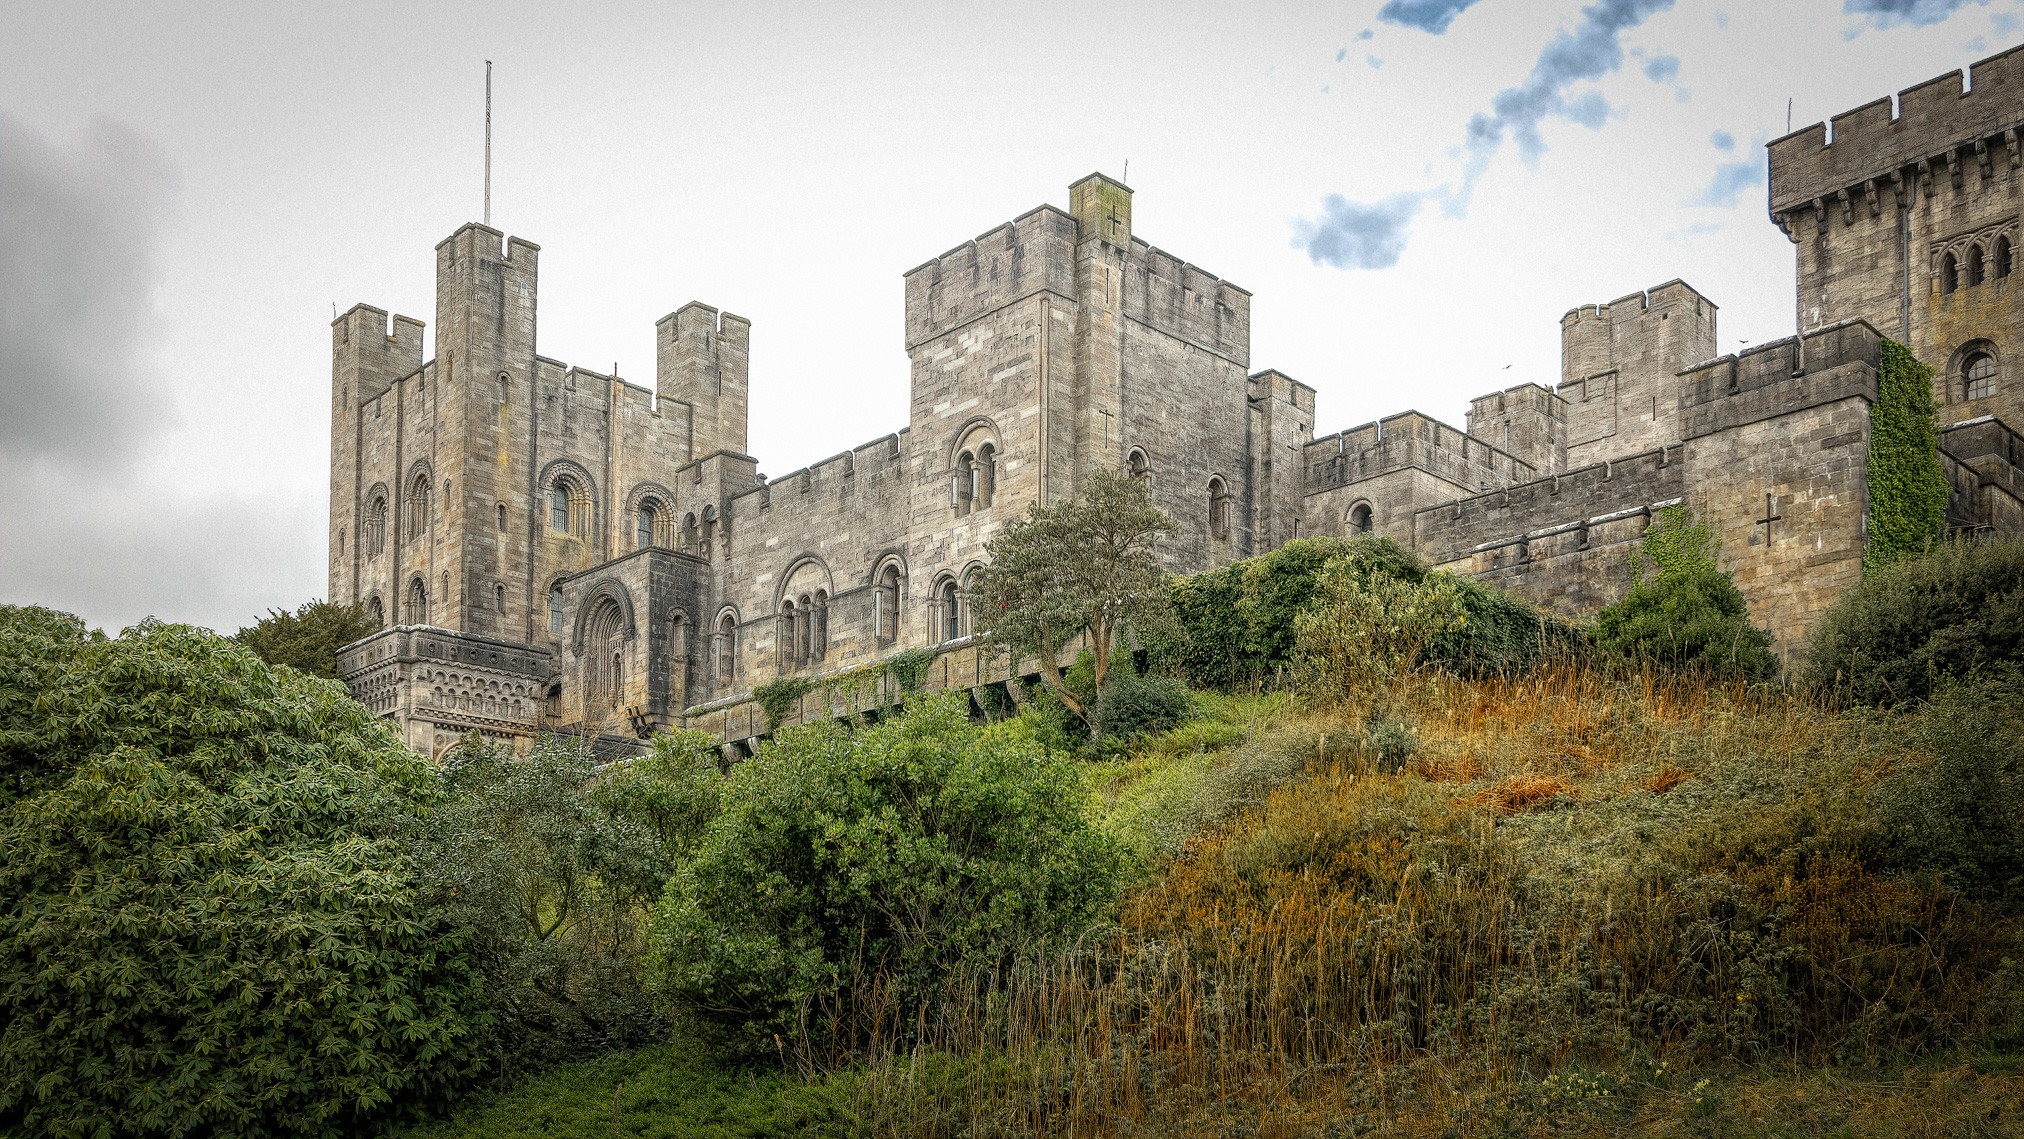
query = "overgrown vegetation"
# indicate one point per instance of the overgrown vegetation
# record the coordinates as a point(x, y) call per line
point(1956, 614)
point(1683, 611)
point(1237, 626)
point(1907, 490)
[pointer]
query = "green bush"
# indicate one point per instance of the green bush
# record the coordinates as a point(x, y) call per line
point(211, 921)
point(1957, 612)
point(1237, 623)
point(554, 866)
point(1132, 705)
point(1907, 489)
point(1683, 611)
point(873, 861)
point(1366, 632)
point(1962, 812)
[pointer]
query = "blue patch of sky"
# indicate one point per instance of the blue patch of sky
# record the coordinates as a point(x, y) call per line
point(1430, 16)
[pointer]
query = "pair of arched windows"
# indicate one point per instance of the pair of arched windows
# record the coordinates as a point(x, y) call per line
point(699, 538)
point(569, 507)
point(886, 605)
point(418, 602)
point(1972, 267)
point(376, 527)
point(975, 480)
point(804, 630)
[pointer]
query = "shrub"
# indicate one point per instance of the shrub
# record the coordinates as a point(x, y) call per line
point(1962, 812)
point(1364, 634)
point(1956, 612)
point(1683, 611)
point(211, 922)
point(873, 860)
point(555, 866)
point(1134, 705)
point(1237, 623)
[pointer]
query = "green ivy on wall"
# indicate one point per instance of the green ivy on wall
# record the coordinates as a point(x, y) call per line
point(1907, 491)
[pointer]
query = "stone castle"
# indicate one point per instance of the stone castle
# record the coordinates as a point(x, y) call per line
point(550, 548)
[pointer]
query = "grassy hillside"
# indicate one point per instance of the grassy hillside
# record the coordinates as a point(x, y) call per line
point(1577, 902)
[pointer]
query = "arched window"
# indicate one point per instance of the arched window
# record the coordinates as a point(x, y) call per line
point(376, 612)
point(1978, 376)
point(340, 541)
point(2002, 257)
point(376, 527)
point(502, 518)
point(950, 602)
point(887, 617)
point(689, 533)
point(818, 634)
point(555, 610)
point(678, 636)
point(418, 602)
point(648, 523)
point(502, 391)
point(727, 652)
point(418, 507)
point(1359, 518)
point(558, 506)
point(1974, 265)
point(1137, 465)
point(963, 484)
point(1950, 274)
point(987, 473)
point(498, 599)
point(1219, 508)
point(709, 530)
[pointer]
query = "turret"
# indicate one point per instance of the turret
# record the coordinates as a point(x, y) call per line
point(703, 358)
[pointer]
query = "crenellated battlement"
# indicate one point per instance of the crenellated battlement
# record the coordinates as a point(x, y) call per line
point(702, 358)
point(1408, 439)
point(373, 353)
point(1783, 376)
point(1032, 253)
point(1595, 495)
point(1867, 155)
point(1187, 302)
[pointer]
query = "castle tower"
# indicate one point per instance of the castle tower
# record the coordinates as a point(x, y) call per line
point(367, 360)
point(1101, 207)
point(703, 359)
point(1620, 365)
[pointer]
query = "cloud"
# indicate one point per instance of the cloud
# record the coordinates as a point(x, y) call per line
point(1594, 49)
point(1365, 34)
point(2003, 23)
point(1356, 235)
point(1342, 55)
point(1721, 19)
point(86, 407)
point(78, 273)
point(1730, 180)
point(1373, 61)
point(1722, 140)
point(1663, 68)
point(1917, 13)
point(1432, 16)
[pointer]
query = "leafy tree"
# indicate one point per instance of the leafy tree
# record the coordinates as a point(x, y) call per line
point(307, 640)
point(554, 867)
point(1086, 566)
point(876, 860)
point(1953, 613)
point(211, 924)
point(1907, 490)
point(1961, 812)
point(1683, 611)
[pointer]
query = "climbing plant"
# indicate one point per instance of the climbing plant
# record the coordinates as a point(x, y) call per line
point(1907, 491)
point(778, 697)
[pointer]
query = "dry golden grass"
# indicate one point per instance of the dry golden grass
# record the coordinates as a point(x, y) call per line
point(1419, 952)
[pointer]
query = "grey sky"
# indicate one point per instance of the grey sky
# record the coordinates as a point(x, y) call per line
point(189, 188)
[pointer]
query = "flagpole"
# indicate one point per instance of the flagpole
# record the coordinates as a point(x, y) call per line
point(488, 142)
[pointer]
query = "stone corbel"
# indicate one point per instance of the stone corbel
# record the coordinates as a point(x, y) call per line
point(1984, 159)
point(1847, 207)
point(1901, 188)
point(1925, 176)
point(1785, 226)
point(1819, 216)
point(1869, 193)
point(1954, 167)
point(2010, 141)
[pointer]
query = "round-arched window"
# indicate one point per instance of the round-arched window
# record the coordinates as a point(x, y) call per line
point(1359, 518)
point(1978, 376)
